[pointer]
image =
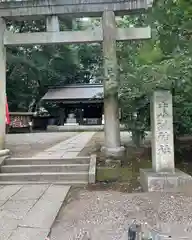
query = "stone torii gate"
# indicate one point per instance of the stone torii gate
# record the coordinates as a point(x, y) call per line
point(51, 11)
point(163, 174)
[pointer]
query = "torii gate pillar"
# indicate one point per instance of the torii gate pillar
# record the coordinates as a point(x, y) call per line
point(112, 146)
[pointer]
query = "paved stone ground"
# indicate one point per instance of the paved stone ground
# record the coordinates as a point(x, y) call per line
point(28, 212)
point(68, 148)
point(28, 144)
point(106, 214)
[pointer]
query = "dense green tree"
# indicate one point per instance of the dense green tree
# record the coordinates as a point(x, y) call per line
point(31, 69)
point(163, 61)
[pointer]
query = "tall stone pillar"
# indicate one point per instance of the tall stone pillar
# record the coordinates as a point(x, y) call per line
point(111, 111)
point(2, 85)
point(163, 174)
point(162, 132)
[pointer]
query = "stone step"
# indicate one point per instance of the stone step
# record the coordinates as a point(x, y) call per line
point(45, 176)
point(44, 168)
point(43, 161)
point(70, 182)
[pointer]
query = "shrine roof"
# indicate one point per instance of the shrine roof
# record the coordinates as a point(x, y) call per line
point(75, 92)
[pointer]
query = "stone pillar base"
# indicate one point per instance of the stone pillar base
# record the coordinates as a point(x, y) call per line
point(3, 155)
point(153, 181)
point(113, 152)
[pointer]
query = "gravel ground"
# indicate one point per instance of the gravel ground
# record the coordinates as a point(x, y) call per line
point(106, 214)
point(28, 144)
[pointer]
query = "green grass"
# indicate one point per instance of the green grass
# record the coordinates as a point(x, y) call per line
point(114, 174)
point(120, 174)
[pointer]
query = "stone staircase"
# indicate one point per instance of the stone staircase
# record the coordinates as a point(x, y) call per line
point(69, 171)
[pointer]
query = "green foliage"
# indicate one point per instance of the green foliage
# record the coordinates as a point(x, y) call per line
point(30, 70)
point(164, 61)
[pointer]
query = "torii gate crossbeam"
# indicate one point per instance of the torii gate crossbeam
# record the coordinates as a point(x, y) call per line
point(75, 8)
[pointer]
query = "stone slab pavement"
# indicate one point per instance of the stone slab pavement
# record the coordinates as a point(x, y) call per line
point(68, 148)
point(107, 214)
point(29, 144)
point(27, 212)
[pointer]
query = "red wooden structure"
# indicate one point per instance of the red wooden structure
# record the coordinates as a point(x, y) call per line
point(7, 114)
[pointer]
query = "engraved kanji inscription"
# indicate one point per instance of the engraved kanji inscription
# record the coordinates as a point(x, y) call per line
point(163, 135)
point(163, 109)
point(164, 149)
